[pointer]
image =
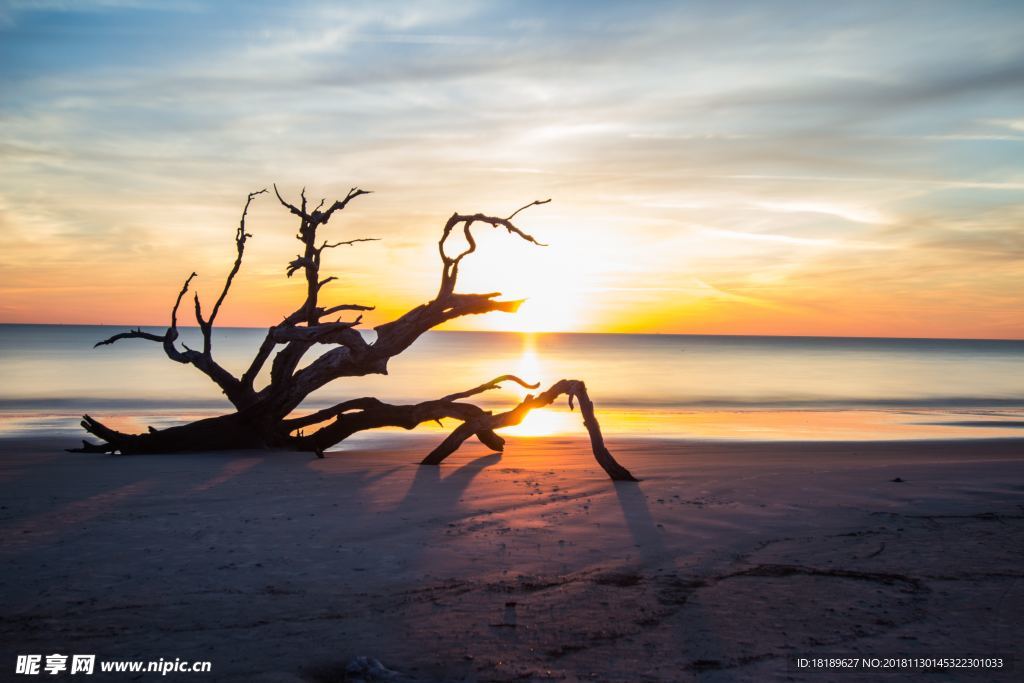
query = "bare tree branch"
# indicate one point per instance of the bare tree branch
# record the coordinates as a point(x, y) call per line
point(340, 204)
point(527, 206)
point(346, 243)
point(270, 341)
point(310, 312)
point(365, 403)
point(488, 423)
point(167, 337)
point(288, 206)
point(324, 333)
point(131, 334)
point(370, 413)
point(493, 384)
point(177, 302)
point(240, 236)
point(357, 415)
point(344, 307)
point(450, 265)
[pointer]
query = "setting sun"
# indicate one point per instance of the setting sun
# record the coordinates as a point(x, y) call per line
point(559, 312)
point(552, 280)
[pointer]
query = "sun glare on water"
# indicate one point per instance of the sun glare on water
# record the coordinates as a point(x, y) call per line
point(545, 421)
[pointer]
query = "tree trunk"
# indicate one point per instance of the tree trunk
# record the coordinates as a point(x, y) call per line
point(221, 433)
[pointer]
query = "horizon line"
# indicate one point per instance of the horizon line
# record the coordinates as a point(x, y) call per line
point(535, 332)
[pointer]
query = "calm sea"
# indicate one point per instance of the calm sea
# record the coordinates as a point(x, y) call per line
point(665, 385)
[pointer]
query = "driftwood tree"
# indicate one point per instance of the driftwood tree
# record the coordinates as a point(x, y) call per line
point(265, 417)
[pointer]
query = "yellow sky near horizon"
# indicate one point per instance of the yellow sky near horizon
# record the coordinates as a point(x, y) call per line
point(595, 275)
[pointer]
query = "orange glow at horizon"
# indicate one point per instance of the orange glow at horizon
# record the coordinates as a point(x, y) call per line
point(592, 278)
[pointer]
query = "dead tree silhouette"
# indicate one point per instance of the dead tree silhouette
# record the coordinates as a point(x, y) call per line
point(264, 417)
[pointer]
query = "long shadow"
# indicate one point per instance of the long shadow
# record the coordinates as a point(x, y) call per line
point(649, 538)
point(443, 493)
point(430, 505)
point(642, 527)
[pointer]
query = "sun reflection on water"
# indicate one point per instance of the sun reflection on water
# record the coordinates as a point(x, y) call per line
point(544, 421)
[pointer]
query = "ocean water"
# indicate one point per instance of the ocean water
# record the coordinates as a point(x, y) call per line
point(644, 385)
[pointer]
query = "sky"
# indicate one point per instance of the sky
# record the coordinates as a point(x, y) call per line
point(714, 168)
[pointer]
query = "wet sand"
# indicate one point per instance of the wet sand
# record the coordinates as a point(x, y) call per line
point(726, 561)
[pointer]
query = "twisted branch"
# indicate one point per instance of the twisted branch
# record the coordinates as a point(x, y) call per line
point(357, 415)
point(493, 384)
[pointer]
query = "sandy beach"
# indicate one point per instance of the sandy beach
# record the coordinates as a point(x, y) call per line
point(725, 562)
